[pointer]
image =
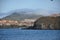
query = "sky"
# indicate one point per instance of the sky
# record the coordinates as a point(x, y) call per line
point(8, 5)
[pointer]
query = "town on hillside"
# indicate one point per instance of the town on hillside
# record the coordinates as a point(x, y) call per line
point(45, 22)
point(25, 23)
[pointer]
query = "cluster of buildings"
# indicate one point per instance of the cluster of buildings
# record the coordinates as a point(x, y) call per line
point(25, 22)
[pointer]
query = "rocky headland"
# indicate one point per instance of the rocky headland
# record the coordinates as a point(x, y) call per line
point(47, 23)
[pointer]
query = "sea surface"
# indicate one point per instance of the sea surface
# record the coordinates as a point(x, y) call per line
point(18, 34)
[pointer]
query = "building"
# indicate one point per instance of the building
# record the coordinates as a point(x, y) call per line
point(15, 23)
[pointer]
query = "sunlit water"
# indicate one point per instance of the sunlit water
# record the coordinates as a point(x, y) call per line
point(18, 34)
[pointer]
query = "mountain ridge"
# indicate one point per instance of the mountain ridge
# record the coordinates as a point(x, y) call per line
point(21, 16)
point(28, 13)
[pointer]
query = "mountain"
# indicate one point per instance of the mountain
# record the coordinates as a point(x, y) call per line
point(26, 11)
point(21, 16)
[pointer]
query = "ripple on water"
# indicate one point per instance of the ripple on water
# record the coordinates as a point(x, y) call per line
point(18, 34)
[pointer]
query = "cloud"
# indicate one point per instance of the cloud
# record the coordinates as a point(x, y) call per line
point(3, 15)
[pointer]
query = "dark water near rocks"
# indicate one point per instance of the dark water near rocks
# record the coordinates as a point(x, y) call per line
point(18, 34)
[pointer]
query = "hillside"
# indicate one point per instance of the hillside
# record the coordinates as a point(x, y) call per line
point(48, 23)
point(21, 16)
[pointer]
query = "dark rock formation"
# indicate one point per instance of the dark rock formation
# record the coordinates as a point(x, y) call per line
point(52, 23)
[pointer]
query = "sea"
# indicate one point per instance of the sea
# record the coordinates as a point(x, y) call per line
point(21, 34)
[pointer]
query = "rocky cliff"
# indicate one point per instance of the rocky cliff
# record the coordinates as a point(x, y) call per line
point(47, 23)
point(50, 23)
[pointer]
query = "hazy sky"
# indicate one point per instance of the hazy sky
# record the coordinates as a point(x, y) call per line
point(8, 5)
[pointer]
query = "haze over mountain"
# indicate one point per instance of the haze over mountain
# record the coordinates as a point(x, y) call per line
point(22, 14)
point(28, 11)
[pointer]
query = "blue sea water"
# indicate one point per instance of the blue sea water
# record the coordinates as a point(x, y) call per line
point(18, 34)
